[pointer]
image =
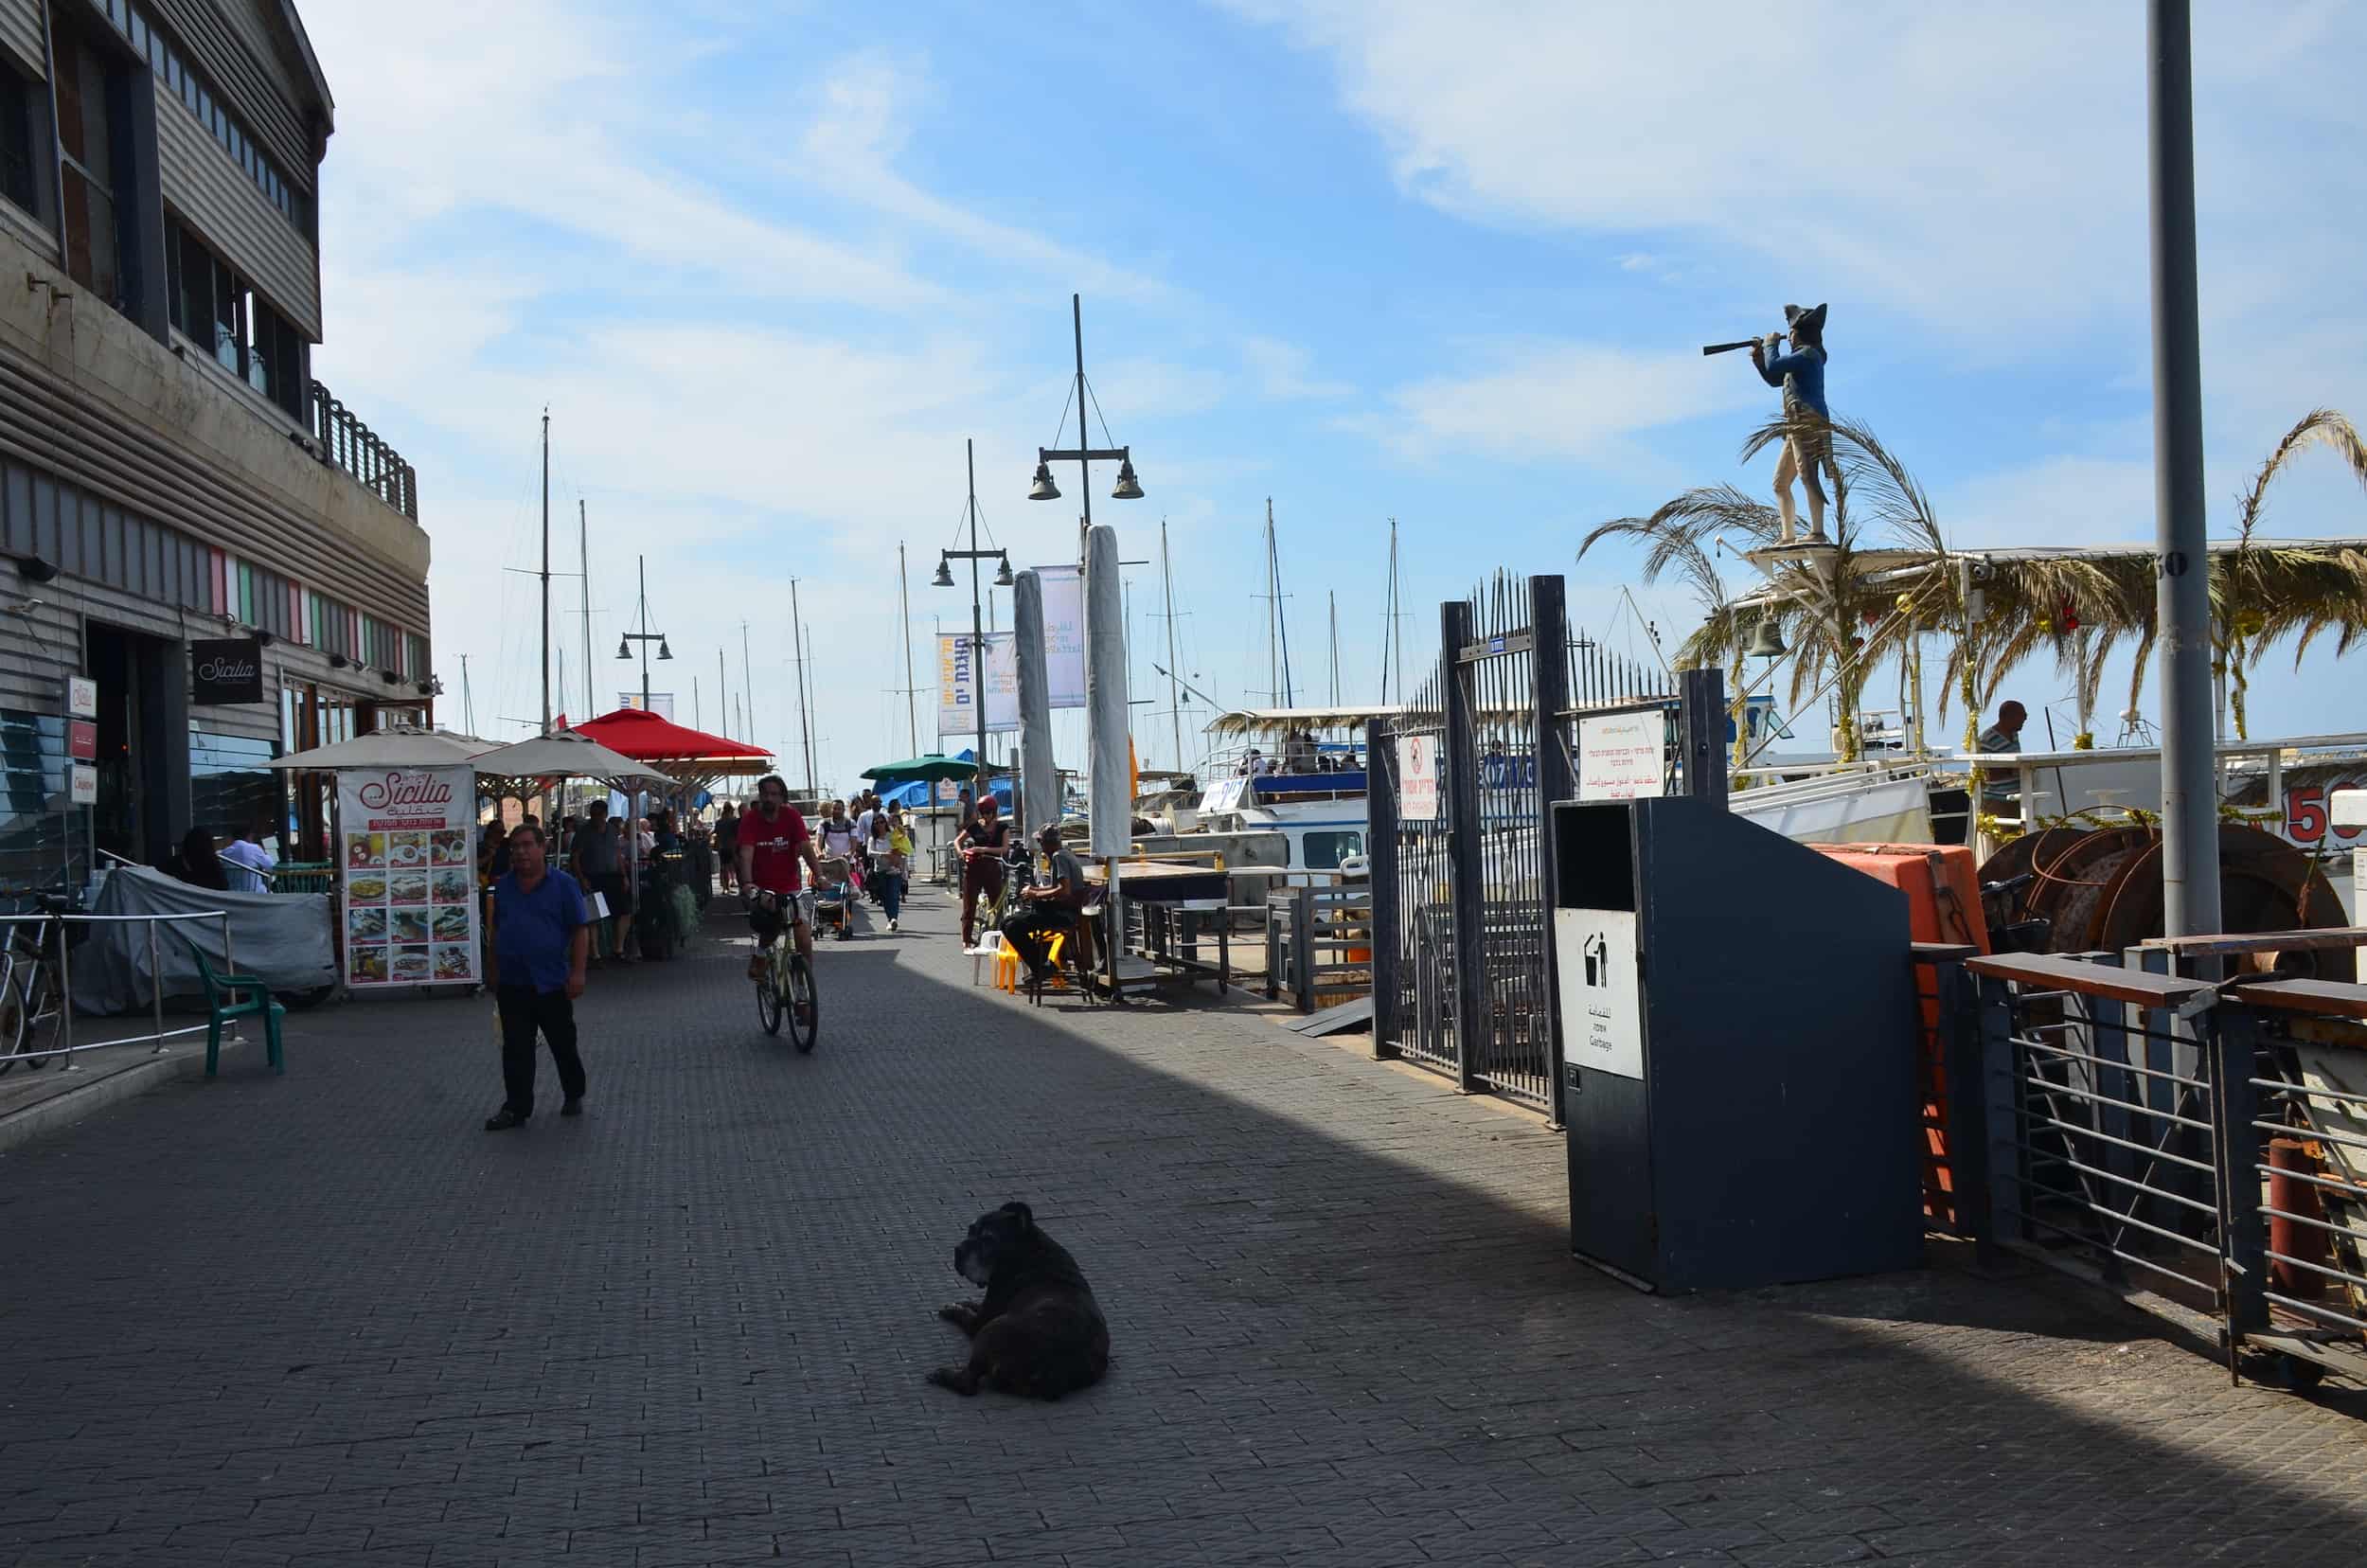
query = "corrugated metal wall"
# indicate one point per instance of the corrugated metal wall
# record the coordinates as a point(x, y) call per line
point(19, 28)
point(252, 82)
point(217, 199)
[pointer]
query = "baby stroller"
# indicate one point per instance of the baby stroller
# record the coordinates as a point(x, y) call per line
point(834, 898)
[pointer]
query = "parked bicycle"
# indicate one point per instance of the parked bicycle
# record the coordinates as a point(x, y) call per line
point(32, 992)
point(786, 988)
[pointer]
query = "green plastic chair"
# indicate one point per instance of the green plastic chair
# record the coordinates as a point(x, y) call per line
point(221, 1004)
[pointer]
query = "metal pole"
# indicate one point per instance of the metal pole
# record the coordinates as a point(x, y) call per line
point(1549, 665)
point(2190, 829)
point(747, 675)
point(723, 694)
point(583, 559)
point(797, 650)
point(1461, 762)
point(1381, 848)
point(65, 993)
point(904, 617)
point(1084, 436)
point(977, 628)
point(155, 986)
point(644, 563)
point(546, 571)
point(1175, 705)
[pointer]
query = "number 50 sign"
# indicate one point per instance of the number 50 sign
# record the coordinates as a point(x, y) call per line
point(2305, 818)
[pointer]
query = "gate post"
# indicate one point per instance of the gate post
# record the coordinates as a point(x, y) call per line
point(1463, 841)
point(1381, 854)
point(1549, 681)
point(1701, 719)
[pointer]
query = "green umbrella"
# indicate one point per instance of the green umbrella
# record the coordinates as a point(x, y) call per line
point(933, 768)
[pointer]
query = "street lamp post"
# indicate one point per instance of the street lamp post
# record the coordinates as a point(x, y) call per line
point(1083, 455)
point(977, 611)
point(645, 636)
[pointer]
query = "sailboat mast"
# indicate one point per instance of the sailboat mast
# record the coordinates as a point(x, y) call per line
point(546, 571)
point(723, 695)
point(797, 649)
point(468, 699)
point(1167, 583)
point(583, 553)
point(1274, 603)
point(747, 675)
point(1334, 597)
point(1281, 621)
point(1392, 636)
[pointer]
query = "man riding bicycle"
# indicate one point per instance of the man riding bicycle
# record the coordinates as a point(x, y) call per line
point(774, 848)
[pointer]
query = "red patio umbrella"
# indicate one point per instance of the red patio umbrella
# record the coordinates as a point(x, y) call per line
point(646, 738)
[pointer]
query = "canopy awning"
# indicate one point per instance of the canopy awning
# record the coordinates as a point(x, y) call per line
point(933, 768)
point(678, 752)
point(565, 754)
point(389, 748)
point(1262, 721)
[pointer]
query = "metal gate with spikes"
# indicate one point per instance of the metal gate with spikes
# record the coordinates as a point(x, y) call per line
point(1462, 861)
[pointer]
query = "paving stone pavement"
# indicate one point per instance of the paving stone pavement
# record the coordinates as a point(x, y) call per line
point(326, 1319)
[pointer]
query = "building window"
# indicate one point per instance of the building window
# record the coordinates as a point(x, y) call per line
point(90, 130)
point(200, 100)
point(224, 315)
point(24, 137)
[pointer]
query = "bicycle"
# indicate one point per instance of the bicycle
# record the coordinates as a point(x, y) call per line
point(32, 1001)
point(787, 989)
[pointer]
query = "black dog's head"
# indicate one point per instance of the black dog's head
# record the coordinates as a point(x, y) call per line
point(996, 1237)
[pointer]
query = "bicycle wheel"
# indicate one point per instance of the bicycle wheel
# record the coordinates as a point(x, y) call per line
point(13, 1018)
point(803, 1000)
point(769, 999)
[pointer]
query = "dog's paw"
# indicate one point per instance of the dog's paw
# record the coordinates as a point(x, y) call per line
point(962, 1314)
point(955, 1377)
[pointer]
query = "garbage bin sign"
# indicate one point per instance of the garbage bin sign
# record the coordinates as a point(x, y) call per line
point(1600, 1021)
point(1418, 778)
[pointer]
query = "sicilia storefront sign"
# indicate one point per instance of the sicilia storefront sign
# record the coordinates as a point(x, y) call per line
point(228, 671)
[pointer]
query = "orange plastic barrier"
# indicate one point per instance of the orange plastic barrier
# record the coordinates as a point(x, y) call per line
point(1943, 887)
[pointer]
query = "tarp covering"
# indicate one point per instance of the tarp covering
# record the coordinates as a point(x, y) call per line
point(281, 937)
point(1109, 765)
point(1040, 779)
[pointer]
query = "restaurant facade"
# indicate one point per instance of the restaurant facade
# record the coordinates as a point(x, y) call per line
point(211, 561)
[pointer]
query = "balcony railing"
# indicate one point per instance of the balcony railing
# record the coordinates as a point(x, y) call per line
point(349, 444)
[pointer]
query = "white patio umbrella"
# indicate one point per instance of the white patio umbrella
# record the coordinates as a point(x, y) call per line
point(392, 748)
point(564, 754)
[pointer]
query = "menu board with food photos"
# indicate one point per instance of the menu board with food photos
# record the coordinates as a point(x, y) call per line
point(407, 857)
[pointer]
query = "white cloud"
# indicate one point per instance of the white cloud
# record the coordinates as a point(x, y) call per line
point(1286, 370)
point(1946, 160)
point(1557, 398)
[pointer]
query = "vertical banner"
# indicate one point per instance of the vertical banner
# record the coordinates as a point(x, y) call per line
point(407, 855)
point(1063, 633)
point(958, 690)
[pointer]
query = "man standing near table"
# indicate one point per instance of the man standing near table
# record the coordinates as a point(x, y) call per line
point(541, 943)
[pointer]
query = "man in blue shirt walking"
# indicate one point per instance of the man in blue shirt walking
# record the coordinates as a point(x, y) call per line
point(541, 942)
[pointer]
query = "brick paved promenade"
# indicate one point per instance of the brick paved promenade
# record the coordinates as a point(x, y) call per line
point(326, 1319)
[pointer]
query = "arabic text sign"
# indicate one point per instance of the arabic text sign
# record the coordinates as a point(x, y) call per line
point(408, 863)
point(1620, 756)
point(1418, 778)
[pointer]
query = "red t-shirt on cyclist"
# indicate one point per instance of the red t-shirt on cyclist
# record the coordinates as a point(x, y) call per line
point(777, 863)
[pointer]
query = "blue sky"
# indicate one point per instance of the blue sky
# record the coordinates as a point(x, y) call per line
point(767, 265)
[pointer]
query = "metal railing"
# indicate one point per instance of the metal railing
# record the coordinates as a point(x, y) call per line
point(63, 952)
point(1318, 939)
point(2197, 1147)
point(348, 444)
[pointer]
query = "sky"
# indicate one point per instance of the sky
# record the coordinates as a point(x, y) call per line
point(770, 266)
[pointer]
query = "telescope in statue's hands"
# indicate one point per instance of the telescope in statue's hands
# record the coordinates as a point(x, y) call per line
point(1730, 347)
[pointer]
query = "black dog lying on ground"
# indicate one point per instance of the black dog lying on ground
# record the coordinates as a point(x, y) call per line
point(1039, 1332)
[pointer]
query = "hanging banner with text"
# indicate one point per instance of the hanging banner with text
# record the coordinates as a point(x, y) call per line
point(661, 702)
point(1623, 755)
point(1063, 634)
point(958, 691)
point(407, 862)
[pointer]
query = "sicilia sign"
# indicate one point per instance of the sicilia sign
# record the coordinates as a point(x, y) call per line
point(229, 670)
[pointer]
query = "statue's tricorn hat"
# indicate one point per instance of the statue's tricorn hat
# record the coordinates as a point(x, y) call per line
point(1810, 321)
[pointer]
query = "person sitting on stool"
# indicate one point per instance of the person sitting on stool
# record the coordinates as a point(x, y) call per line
point(1050, 906)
